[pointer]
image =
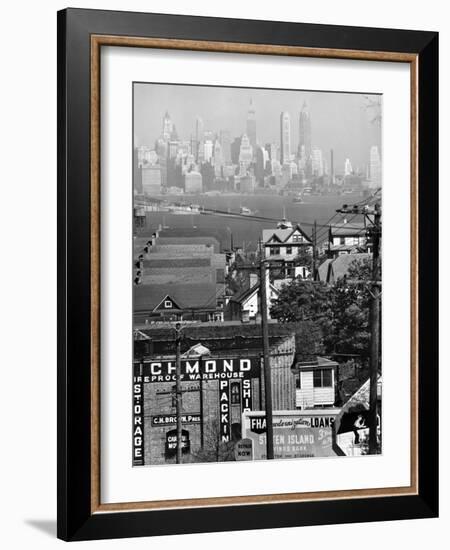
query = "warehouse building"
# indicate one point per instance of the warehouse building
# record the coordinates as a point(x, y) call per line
point(222, 377)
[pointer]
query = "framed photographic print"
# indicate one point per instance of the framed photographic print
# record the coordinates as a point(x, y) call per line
point(247, 274)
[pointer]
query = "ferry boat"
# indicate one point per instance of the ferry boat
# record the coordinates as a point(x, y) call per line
point(245, 211)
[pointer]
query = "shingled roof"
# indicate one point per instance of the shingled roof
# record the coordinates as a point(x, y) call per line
point(332, 270)
point(185, 296)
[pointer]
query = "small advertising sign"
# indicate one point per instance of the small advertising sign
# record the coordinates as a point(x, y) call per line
point(171, 442)
point(171, 419)
point(243, 450)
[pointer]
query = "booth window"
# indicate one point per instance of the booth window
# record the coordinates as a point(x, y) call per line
point(323, 378)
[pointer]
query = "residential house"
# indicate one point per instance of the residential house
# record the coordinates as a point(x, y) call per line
point(282, 247)
point(245, 304)
point(347, 238)
point(178, 302)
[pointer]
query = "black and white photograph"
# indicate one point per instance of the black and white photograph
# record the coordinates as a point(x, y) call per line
point(257, 251)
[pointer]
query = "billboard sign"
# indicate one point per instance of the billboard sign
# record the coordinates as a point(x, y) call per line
point(222, 368)
point(296, 434)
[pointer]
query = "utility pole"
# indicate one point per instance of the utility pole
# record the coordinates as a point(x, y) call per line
point(178, 392)
point(374, 319)
point(266, 353)
point(375, 332)
point(314, 252)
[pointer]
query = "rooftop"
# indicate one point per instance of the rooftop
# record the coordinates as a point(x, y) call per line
point(185, 296)
point(223, 337)
point(348, 230)
point(283, 234)
point(332, 270)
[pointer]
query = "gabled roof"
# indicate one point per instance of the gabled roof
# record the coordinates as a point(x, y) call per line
point(276, 238)
point(244, 295)
point(185, 296)
point(322, 272)
point(169, 298)
point(331, 270)
point(282, 235)
point(339, 267)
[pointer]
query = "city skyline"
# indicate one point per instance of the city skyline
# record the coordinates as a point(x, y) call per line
point(340, 121)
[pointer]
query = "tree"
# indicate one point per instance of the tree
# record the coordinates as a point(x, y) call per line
point(214, 449)
point(299, 301)
point(304, 257)
point(338, 314)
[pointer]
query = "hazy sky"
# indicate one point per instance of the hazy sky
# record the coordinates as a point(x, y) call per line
point(341, 121)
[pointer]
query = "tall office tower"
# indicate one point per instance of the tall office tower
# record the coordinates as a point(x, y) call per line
point(375, 167)
point(305, 131)
point(260, 165)
point(225, 142)
point(218, 158)
point(208, 150)
point(167, 127)
point(199, 138)
point(151, 179)
point(332, 165)
point(273, 151)
point(251, 126)
point(246, 151)
point(143, 154)
point(347, 167)
point(235, 150)
point(317, 163)
point(285, 137)
point(137, 171)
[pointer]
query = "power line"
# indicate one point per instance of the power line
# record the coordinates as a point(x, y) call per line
point(263, 218)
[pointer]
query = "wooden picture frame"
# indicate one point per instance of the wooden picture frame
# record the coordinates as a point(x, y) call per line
point(81, 35)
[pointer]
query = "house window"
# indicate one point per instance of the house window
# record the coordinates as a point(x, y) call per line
point(274, 251)
point(289, 250)
point(235, 393)
point(342, 240)
point(168, 304)
point(323, 378)
point(297, 238)
point(298, 382)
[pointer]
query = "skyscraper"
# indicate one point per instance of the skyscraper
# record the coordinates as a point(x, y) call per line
point(218, 158)
point(317, 163)
point(225, 142)
point(332, 165)
point(199, 138)
point(305, 131)
point(167, 127)
point(251, 126)
point(285, 137)
point(347, 167)
point(375, 167)
point(246, 151)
